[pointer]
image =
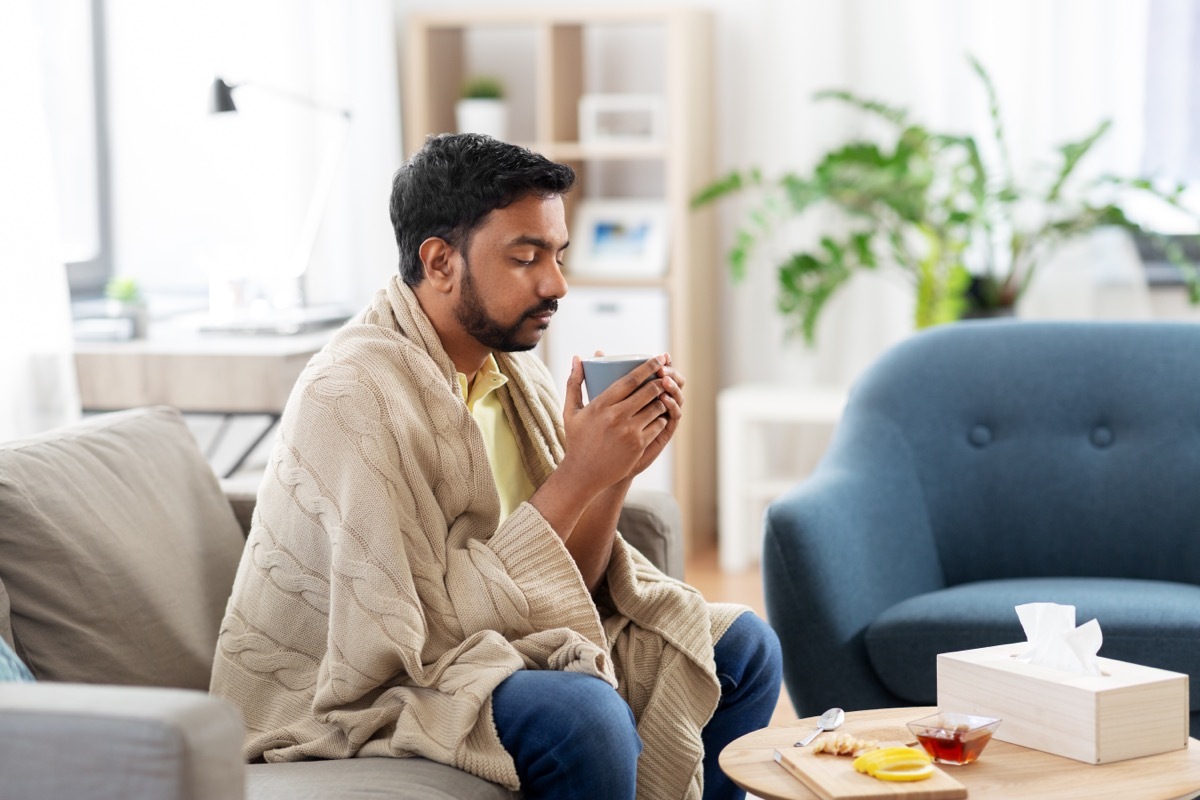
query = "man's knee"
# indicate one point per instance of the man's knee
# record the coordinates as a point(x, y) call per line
point(602, 718)
point(765, 643)
point(749, 650)
point(568, 731)
point(566, 709)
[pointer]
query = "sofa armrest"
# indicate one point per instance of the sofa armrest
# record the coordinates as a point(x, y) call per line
point(651, 522)
point(118, 743)
point(241, 496)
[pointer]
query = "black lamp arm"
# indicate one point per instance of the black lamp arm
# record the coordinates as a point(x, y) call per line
point(293, 96)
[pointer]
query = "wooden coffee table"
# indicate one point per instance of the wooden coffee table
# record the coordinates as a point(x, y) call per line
point(1003, 771)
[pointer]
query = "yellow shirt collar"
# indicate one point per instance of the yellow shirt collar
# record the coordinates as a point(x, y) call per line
point(488, 379)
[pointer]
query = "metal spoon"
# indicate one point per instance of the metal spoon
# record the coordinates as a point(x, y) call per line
point(828, 721)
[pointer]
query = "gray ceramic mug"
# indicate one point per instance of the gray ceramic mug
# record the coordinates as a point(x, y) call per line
point(601, 372)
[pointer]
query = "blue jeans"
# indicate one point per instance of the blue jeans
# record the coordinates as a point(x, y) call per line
point(572, 735)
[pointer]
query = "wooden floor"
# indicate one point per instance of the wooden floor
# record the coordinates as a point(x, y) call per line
point(744, 587)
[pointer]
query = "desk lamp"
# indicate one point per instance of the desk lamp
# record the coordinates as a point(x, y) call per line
point(306, 317)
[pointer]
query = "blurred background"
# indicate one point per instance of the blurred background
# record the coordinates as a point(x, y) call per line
point(114, 166)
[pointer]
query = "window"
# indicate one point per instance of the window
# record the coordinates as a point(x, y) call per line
point(1171, 122)
point(73, 77)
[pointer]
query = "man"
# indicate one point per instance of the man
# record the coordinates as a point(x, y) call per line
point(434, 567)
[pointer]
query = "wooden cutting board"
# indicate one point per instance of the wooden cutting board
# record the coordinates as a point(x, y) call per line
point(834, 778)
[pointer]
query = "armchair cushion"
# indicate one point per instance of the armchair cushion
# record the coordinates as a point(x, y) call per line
point(1143, 622)
point(118, 551)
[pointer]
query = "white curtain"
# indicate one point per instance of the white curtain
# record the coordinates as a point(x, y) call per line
point(1172, 116)
point(1059, 67)
point(37, 375)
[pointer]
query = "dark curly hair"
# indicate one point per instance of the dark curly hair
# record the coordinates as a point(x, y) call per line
point(454, 181)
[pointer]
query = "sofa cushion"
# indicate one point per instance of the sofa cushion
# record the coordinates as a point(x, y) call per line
point(117, 550)
point(1154, 623)
point(354, 778)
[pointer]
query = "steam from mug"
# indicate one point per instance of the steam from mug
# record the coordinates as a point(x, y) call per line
point(602, 371)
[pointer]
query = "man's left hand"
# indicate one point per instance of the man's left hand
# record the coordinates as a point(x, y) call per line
point(672, 398)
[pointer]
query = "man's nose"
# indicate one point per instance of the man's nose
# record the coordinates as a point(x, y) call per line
point(555, 283)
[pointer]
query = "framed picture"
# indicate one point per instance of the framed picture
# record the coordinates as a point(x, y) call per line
point(620, 118)
point(619, 238)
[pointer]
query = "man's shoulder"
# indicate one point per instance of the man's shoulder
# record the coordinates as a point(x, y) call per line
point(373, 354)
point(358, 336)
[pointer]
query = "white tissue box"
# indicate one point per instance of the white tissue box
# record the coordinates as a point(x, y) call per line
point(1128, 711)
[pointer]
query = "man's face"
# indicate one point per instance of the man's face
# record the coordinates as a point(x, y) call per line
point(512, 274)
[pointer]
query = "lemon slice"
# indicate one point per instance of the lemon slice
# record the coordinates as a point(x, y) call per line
point(904, 772)
point(885, 755)
point(895, 764)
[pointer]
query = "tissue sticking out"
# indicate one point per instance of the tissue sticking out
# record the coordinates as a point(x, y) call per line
point(1055, 642)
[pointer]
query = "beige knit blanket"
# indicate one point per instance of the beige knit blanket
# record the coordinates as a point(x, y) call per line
point(378, 602)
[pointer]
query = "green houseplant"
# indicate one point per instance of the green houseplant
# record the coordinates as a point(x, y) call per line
point(967, 234)
point(123, 290)
point(481, 108)
point(123, 298)
point(483, 87)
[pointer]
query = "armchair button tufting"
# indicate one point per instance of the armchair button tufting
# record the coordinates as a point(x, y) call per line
point(980, 436)
point(1102, 436)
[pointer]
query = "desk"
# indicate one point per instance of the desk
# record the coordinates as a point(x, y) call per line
point(1003, 771)
point(215, 374)
point(743, 487)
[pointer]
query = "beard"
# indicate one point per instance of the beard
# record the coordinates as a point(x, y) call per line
point(486, 329)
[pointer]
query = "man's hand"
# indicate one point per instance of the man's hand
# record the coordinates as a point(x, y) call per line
point(608, 439)
point(672, 397)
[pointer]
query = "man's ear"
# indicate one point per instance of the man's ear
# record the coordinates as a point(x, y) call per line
point(437, 257)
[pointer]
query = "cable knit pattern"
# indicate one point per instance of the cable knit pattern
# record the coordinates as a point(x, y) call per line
point(379, 602)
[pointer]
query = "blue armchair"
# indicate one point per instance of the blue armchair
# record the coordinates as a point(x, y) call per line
point(979, 466)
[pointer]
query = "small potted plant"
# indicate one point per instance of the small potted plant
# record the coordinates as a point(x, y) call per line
point(968, 235)
point(123, 299)
point(482, 108)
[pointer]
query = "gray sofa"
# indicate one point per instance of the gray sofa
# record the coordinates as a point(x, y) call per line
point(118, 549)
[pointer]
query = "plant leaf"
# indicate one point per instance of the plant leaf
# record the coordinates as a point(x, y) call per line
point(1073, 153)
point(729, 184)
point(896, 116)
point(996, 117)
